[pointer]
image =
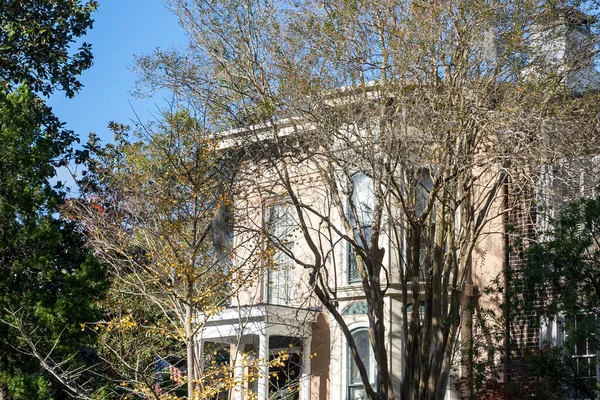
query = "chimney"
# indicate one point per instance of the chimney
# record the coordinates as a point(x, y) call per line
point(562, 43)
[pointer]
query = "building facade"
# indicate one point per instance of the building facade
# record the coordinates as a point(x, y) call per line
point(300, 214)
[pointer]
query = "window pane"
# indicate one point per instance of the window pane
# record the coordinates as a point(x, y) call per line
point(361, 338)
point(363, 199)
point(427, 239)
point(591, 345)
point(357, 393)
point(279, 276)
point(424, 188)
point(281, 221)
point(581, 345)
point(353, 273)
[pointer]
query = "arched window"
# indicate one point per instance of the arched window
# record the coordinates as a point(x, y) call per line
point(356, 390)
point(363, 200)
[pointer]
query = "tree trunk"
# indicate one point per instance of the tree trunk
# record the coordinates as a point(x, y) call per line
point(189, 344)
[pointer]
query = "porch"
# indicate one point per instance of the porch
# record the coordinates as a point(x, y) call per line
point(264, 332)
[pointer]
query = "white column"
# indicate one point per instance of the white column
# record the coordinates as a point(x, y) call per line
point(305, 377)
point(263, 356)
point(238, 372)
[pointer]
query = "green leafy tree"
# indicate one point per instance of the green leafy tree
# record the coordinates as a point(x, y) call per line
point(561, 280)
point(35, 40)
point(48, 281)
point(569, 261)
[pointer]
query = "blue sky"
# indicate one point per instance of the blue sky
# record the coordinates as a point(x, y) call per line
point(121, 29)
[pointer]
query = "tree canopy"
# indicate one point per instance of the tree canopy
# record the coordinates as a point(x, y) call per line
point(35, 44)
point(48, 281)
point(155, 208)
point(444, 106)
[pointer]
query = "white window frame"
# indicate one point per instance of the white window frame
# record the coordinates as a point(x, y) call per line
point(418, 189)
point(365, 224)
point(372, 370)
point(552, 331)
point(585, 355)
point(425, 193)
point(274, 275)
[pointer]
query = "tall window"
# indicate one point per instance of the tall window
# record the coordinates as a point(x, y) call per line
point(583, 349)
point(363, 200)
point(279, 275)
point(356, 389)
point(423, 190)
point(422, 193)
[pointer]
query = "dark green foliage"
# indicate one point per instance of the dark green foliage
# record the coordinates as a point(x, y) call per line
point(569, 262)
point(534, 374)
point(561, 279)
point(48, 281)
point(35, 39)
